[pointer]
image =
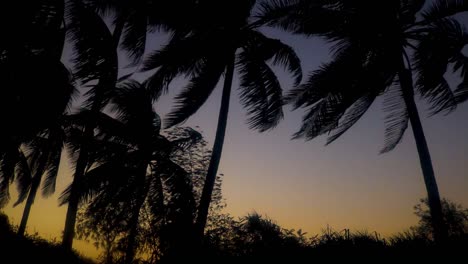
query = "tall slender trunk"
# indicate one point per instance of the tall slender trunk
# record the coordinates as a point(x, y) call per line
point(31, 196)
point(205, 199)
point(130, 250)
point(141, 196)
point(435, 207)
point(82, 162)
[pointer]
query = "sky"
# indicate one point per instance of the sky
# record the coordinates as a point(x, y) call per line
point(305, 184)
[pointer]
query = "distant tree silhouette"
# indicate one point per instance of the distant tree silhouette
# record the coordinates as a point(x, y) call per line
point(222, 37)
point(379, 47)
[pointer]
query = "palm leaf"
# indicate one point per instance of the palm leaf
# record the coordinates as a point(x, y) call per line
point(134, 36)
point(440, 46)
point(197, 92)
point(176, 58)
point(440, 9)
point(8, 162)
point(261, 92)
point(53, 163)
point(352, 115)
point(397, 119)
point(23, 178)
point(95, 55)
point(302, 17)
point(276, 51)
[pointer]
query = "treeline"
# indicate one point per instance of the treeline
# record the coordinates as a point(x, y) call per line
point(256, 238)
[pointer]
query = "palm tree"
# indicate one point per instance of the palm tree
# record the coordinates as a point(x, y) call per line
point(95, 65)
point(131, 165)
point(43, 160)
point(30, 104)
point(96, 61)
point(216, 44)
point(379, 47)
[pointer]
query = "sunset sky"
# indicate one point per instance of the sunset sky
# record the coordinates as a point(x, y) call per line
point(306, 184)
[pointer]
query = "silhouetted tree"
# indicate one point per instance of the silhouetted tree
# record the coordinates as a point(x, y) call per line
point(132, 167)
point(95, 65)
point(379, 47)
point(221, 38)
point(96, 62)
point(43, 159)
point(455, 217)
point(36, 85)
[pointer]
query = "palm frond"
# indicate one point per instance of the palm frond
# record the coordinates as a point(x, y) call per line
point(461, 93)
point(323, 117)
point(134, 36)
point(410, 9)
point(196, 92)
point(53, 164)
point(23, 178)
point(442, 45)
point(396, 121)
point(97, 180)
point(325, 79)
point(353, 78)
point(441, 9)
point(352, 115)
point(275, 50)
point(176, 58)
point(261, 92)
point(95, 55)
point(104, 7)
point(8, 162)
point(302, 17)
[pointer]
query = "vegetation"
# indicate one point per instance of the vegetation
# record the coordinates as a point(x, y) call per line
point(31, 248)
point(147, 191)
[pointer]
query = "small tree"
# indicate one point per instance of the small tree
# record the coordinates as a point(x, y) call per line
point(455, 217)
point(159, 234)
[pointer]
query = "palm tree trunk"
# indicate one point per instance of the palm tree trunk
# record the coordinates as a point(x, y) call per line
point(205, 199)
point(130, 250)
point(82, 163)
point(435, 207)
point(31, 196)
point(141, 196)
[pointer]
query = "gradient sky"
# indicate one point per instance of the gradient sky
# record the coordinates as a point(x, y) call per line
point(306, 184)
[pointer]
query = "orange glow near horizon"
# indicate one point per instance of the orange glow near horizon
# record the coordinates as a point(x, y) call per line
point(308, 186)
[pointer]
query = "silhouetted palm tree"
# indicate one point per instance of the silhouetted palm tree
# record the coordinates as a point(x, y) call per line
point(379, 46)
point(36, 85)
point(132, 165)
point(95, 65)
point(221, 38)
point(96, 62)
point(43, 159)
